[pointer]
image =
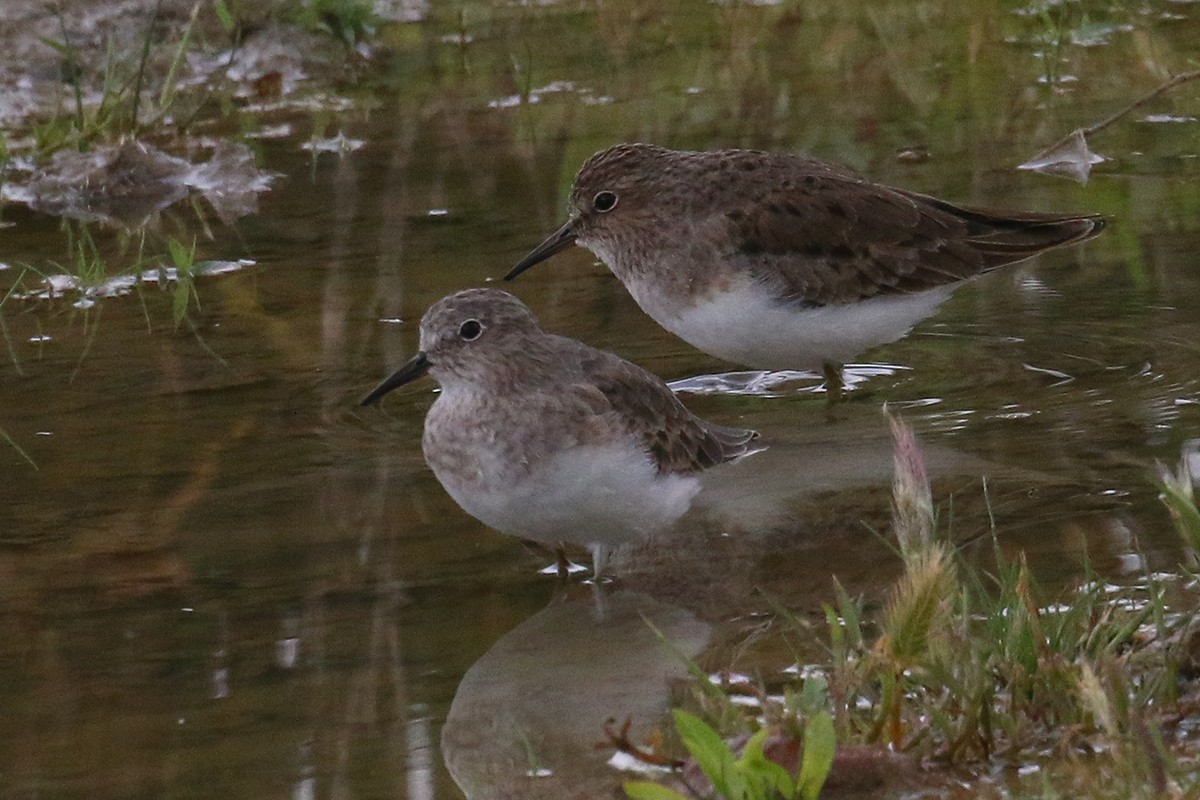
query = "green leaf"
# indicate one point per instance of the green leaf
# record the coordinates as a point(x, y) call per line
point(820, 743)
point(224, 15)
point(850, 614)
point(708, 748)
point(770, 776)
point(20, 450)
point(59, 47)
point(837, 634)
point(645, 790)
point(814, 695)
point(179, 301)
point(1180, 499)
point(180, 255)
point(740, 787)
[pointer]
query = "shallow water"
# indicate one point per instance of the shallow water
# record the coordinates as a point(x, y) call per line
point(225, 579)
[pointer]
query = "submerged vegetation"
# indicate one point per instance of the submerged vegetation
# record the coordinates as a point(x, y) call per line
point(95, 153)
point(969, 668)
point(89, 275)
point(169, 78)
point(126, 104)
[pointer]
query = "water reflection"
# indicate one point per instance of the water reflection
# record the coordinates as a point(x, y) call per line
point(208, 502)
point(1191, 457)
point(130, 184)
point(783, 520)
point(781, 382)
point(529, 715)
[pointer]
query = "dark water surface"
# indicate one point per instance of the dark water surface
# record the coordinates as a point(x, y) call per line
point(224, 579)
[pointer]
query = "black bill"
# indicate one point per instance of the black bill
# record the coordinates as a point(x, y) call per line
point(417, 366)
point(556, 242)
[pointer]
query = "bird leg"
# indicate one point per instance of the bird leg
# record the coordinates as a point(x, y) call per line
point(562, 562)
point(599, 561)
point(562, 566)
point(834, 385)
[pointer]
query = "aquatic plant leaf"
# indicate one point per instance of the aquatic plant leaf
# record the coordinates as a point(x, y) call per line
point(820, 744)
point(223, 14)
point(713, 756)
point(181, 257)
point(179, 301)
point(815, 693)
point(1071, 157)
point(20, 450)
point(1177, 492)
point(59, 47)
point(772, 778)
point(837, 634)
point(851, 615)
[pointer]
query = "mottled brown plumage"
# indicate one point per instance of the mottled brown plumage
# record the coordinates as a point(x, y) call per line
point(757, 232)
point(640, 404)
point(547, 438)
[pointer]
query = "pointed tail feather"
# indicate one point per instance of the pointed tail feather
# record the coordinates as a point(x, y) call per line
point(1018, 237)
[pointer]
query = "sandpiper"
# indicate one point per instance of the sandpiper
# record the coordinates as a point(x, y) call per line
point(546, 438)
point(779, 261)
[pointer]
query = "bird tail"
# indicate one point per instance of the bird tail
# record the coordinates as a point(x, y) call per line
point(729, 443)
point(1024, 233)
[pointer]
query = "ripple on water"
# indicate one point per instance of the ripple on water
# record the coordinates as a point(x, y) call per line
point(779, 383)
point(54, 286)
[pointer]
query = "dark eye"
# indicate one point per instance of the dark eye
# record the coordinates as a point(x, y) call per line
point(470, 330)
point(604, 201)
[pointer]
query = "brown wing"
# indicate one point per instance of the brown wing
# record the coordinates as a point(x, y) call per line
point(637, 402)
point(827, 238)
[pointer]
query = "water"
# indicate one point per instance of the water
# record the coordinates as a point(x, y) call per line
point(224, 579)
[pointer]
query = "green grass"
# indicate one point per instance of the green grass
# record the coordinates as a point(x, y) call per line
point(124, 108)
point(973, 668)
point(749, 774)
point(92, 268)
point(349, 20)
point(139, 89)
point(17, 447)
point(1178, 495)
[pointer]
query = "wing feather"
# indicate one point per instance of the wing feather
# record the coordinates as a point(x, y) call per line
point(634, 401)
point(827, 237)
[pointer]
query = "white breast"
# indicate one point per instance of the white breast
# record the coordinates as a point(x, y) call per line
point(593, 495)
point(749, 326)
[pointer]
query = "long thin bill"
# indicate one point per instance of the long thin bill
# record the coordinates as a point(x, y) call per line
point(556, 242)
point(417, 366)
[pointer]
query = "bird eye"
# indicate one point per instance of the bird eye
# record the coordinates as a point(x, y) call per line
point(470, 330)
point(604, 201)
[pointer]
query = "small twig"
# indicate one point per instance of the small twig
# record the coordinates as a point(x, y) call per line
point(621, 741)
point(1177, 80)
